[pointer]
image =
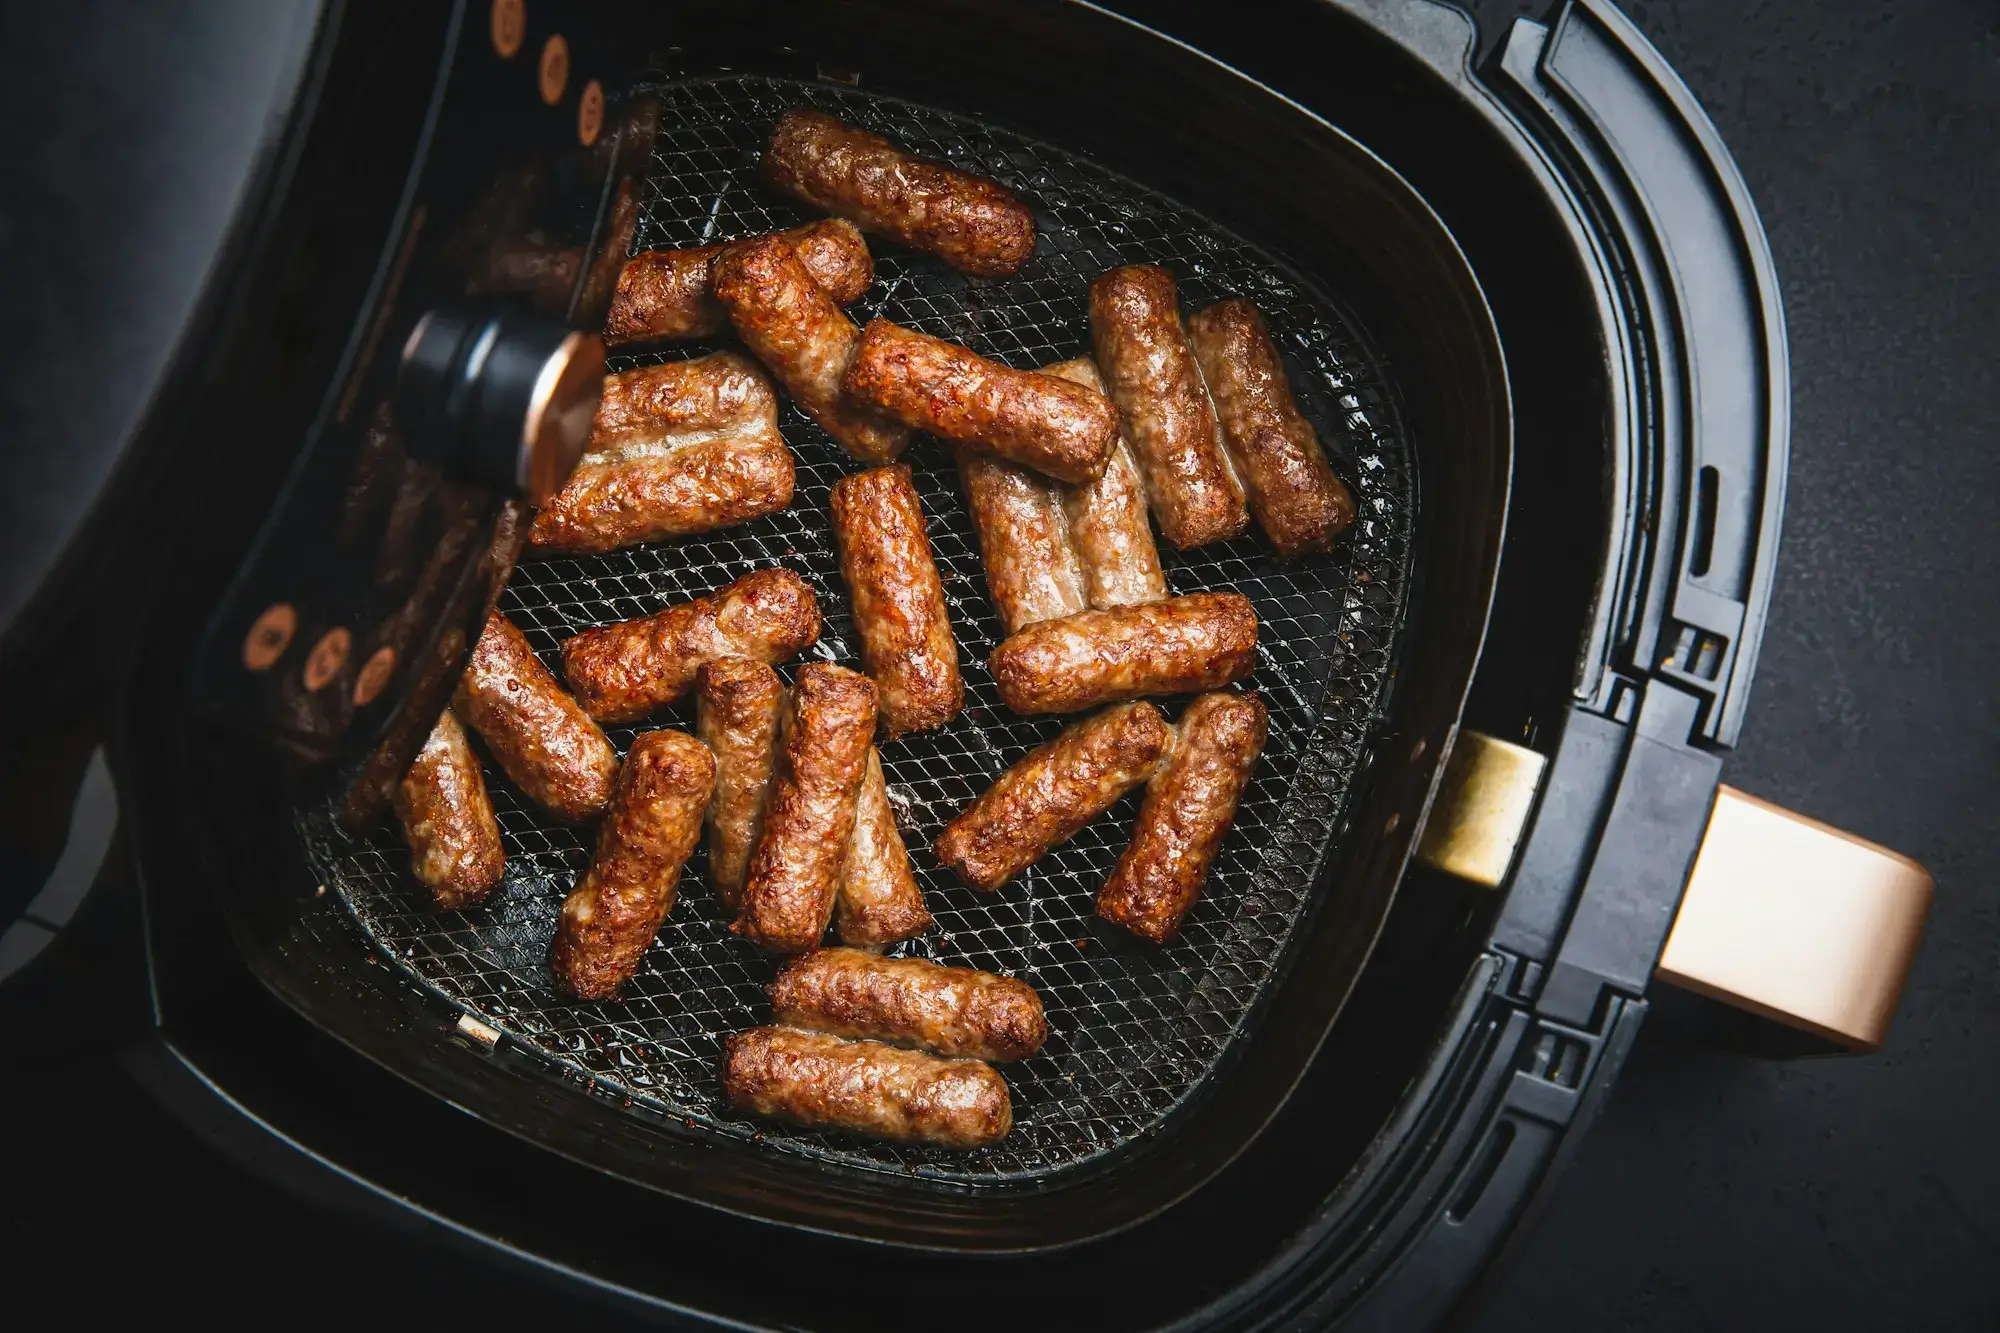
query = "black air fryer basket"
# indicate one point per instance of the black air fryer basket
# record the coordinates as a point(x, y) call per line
point(1528, 308)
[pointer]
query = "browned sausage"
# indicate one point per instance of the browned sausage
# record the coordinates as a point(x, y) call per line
point(1189, 806)
point(540, 738)
point(899, 609)
point(1108, 526)
point(794, 327)
point(1055, 790)
point(1032, 572)
point(879, 901)
point(1053, 425)
point(737, 704)
point(911, 1002)
point(865, 1087)
point(970, 222)
point(1299, 503)
point(1198, 642)
point(649, 832)
point(794, 872)
point(1142, 350)
point(686, 447)
point(448, 820)
point(624, 671)
point(664, 293)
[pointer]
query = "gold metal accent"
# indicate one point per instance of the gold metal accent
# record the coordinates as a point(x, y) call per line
point(1797, 921)
point(553, 73)
point(374, 675)
point(270, 634)
point(1482, 807)
point(590, 113)
point(560, 413)
point(508, 27)
point(328, 656)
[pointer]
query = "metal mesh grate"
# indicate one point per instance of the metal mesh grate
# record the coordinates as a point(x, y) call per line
point(1135, 1030)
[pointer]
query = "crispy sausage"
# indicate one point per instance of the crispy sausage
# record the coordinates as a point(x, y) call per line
point(1142, 350)
point(911, 1002)
point(665, 293)
point(1299, 503)
point(681, 448)
point(1108, 526)
point(648, 834)
point(624, 671)
point(865, 1087)
point(1198, 642)
point(1032, 572)
point(970, 222)
point(898, 599)
point(1189, 806)
point(540, 738)
point(879, 901)
point(788, 893)
point(794, 327)
point(737, 704)
point(1051, 424)
point(448, 819)
point(1055, 790)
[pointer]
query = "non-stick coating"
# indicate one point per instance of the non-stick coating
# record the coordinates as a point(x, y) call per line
point(1136, 1031)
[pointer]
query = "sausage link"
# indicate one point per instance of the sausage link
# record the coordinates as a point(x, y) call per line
point(1198, 642)
point(1032, 572)
point(970, 222)
point(665, 293)
point(898, 599)
point(624, 671)
point(1055, 790)
point(1189, 806)
point(795, 328)
point(1108, 526)
point(1142, 350)
point(539, 736)
point(1299, 503)
point(865, 1087)
point(737, 704)
point(957, 1011)
point(879, 901)
point(448, 819)
point(1053, 425)
point(788, 893)
point(681, 448)
point(648, 834)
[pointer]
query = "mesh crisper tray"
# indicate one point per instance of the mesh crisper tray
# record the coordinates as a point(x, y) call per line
point(1135, 1031)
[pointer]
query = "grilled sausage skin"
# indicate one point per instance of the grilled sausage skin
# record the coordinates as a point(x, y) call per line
point(1032, 572)
point(1108, 526)
point(737, 705)
point(972, 223)
point(648, 834)
point(1198, 642)
point(664, 294)
point(541, 739)
point(448, 819)
point(879, 901)
point(865, 1087)
point(1189, 806)
point(898, 599)
point(956, 1011)
point(624, 671)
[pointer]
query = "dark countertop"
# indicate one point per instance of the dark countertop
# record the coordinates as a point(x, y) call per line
point(1719, 1190)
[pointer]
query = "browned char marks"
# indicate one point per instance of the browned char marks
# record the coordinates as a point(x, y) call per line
point(738, 703)
point(664, 294)
point(1032, 572)
point(865, 1087)
point(972, 223)
point(448, 819)
point(898, 599)
point(1198, 642)
point(1054, 791)
point(1108, 525)
point(879, 901)
point(624, 671)
point(1189, 806)
point(536, 732)
point(648, 834)
point(956, 1011)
